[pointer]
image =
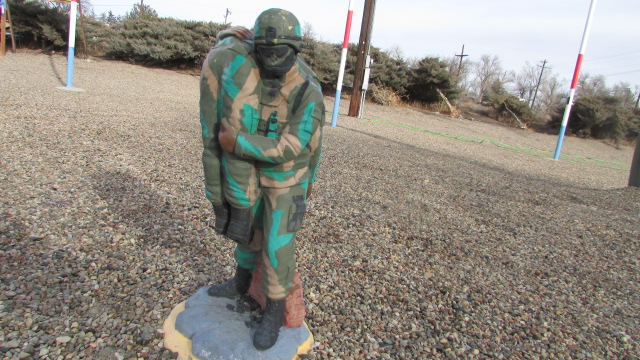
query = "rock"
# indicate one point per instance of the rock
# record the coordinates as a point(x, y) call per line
point(63, 339)
point(11, 344)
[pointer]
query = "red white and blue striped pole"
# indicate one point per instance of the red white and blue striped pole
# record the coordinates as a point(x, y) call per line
point(343, 62)
point(72, 41)
point(574, 82)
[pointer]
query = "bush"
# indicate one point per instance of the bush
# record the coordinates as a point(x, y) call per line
point(39, 25)
point(163, 42)
point(383, 96)
point(601, 117)
point(389, 73)
point(507, 107)
point(324, 59)
point(429, 75)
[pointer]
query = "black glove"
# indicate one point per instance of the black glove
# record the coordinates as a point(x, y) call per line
point(222, 218)
point(240, 227)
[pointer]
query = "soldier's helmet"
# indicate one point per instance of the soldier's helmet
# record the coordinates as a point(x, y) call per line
point(276, 27)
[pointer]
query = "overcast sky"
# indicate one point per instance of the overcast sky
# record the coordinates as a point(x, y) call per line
point(517, 31)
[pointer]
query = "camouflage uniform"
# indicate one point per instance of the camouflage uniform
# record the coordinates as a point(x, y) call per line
point(229, 90)
point(287, 164)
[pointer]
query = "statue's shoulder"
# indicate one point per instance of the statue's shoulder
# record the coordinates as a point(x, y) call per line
point(306, 72)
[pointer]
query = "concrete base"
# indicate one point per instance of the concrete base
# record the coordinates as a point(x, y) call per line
point(207, 328)
point(70, 88)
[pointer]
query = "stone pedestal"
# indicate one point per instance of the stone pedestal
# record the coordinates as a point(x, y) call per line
point(207, 328)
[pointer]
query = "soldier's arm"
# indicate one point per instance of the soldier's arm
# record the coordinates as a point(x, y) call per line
point(316, 154)
point(210, 125)
point(294, 137)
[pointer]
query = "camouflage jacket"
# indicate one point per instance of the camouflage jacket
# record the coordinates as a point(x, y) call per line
point(229, 90)
point(289, 153)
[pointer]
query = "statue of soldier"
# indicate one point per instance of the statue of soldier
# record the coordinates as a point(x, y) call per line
point(285, 150)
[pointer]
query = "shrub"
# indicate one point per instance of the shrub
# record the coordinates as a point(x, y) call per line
point(39, 24)
point(324, 59)
point(601, 117)
point(163, 42)
point(510, 109)
point(383, 96)
point(429, 75)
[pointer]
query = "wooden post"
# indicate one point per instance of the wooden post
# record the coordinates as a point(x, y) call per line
point(2, 33)
point(363, 51)
point(84, 33)
point(634, 177)
point(7, 22)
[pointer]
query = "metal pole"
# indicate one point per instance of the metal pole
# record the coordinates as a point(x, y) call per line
point(574, 82)
point(365, 85)
point(343, 62)
point(72, 41)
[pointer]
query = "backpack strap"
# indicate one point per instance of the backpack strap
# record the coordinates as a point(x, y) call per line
point(298, 100)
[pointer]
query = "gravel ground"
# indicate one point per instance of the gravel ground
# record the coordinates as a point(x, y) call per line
point(416, 244)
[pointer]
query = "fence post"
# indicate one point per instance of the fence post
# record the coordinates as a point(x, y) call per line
point(634, 177)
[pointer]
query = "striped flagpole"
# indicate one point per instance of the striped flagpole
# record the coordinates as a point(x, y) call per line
point(343, 62)
point(574, 82)
point(72, 42)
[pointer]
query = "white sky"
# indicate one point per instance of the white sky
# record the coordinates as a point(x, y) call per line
point(517, 31)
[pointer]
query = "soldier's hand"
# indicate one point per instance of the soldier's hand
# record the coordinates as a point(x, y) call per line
point(242, 32)
point(227, 136)
point(309, 191)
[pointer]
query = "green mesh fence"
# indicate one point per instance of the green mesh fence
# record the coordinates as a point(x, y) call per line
point(586, 160)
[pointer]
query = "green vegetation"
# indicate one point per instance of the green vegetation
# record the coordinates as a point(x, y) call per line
point(166, 43)
point(602, 117)
point(142, 37)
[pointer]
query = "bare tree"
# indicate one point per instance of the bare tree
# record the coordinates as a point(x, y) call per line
point(622, 90)
point(592, 86)
point(552, 94)
point(454, 68)
point(486, 71)
point(525, 81)
point(396, 53)
point(308, 33)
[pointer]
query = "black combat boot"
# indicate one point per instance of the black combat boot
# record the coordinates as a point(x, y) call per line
point(234, 287)
point(267, 333)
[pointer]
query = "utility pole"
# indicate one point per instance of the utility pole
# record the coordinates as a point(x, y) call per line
point(363, 51)
point(462, 55)
point(141, 9)
point(227, 13)
point(535, 93)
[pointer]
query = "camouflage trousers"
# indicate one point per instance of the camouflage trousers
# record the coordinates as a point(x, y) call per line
point(278, 216)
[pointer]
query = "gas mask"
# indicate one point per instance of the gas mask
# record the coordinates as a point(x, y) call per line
point(275, 60)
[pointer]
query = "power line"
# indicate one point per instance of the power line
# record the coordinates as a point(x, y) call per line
point(622, 73)
point(613, 56)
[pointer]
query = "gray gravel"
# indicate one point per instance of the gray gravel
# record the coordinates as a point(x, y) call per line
point(416, 244)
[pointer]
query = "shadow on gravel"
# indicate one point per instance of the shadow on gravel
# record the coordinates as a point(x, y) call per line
point(137, 209)
point(55, 71)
